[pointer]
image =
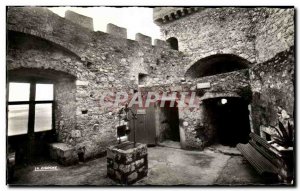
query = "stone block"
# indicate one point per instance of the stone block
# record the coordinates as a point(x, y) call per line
point(63, 153)
point(125, 168)
point(132, 176)
point(75, 133)
point(111, 79)
point(81, 83)
point(203, 85)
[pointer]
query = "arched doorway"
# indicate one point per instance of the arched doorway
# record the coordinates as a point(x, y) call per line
point(173, 43)
point(225, 116)
point(228, 119)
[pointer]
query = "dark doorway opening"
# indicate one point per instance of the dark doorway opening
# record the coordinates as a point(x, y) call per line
point(229, 119)
point(169, 122)
point(173, 43)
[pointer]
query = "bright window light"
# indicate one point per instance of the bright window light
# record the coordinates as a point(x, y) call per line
point(223, 101)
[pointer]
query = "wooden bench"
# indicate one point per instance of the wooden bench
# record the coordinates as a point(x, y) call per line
point(267, 159)
point(257, 160)
point(265, 148)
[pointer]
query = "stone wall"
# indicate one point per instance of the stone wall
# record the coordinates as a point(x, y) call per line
point(194, 130)
point(165, 68)
point(214, 30)
point(274, 29)
point(65, 109)
point(256, 34)
point(72, 126)
point(272, 84)
point(102, 62)
point(99, 62)
point(232, 83)
point(33, 55)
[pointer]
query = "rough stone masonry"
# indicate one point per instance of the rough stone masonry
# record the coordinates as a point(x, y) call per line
point(259, 43)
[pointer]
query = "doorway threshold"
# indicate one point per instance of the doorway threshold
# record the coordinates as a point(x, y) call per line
point(170, 144)
point(226, 150)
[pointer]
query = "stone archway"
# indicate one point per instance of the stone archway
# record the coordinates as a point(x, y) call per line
point(225, 94)
point(36, 61)
point(173, 43)
point(216, 64)
point(44, 113)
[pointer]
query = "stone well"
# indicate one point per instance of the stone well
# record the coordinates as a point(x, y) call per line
point(127, 164)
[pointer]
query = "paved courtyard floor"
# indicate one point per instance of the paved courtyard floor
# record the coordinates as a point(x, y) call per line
point(167, 166)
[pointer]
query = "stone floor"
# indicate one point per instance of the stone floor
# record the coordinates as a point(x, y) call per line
point(167, 166)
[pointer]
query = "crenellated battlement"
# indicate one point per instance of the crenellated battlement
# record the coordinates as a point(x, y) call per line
point(116, 30)
point(163, 15)
point(112, 29)
point(84, 21)
point(143, 38)
point(121, 32)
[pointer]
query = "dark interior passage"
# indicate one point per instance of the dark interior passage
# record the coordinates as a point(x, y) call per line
point(169, 122)
point(229, 117)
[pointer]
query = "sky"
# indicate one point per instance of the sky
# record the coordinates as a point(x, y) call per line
point(135, 19)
